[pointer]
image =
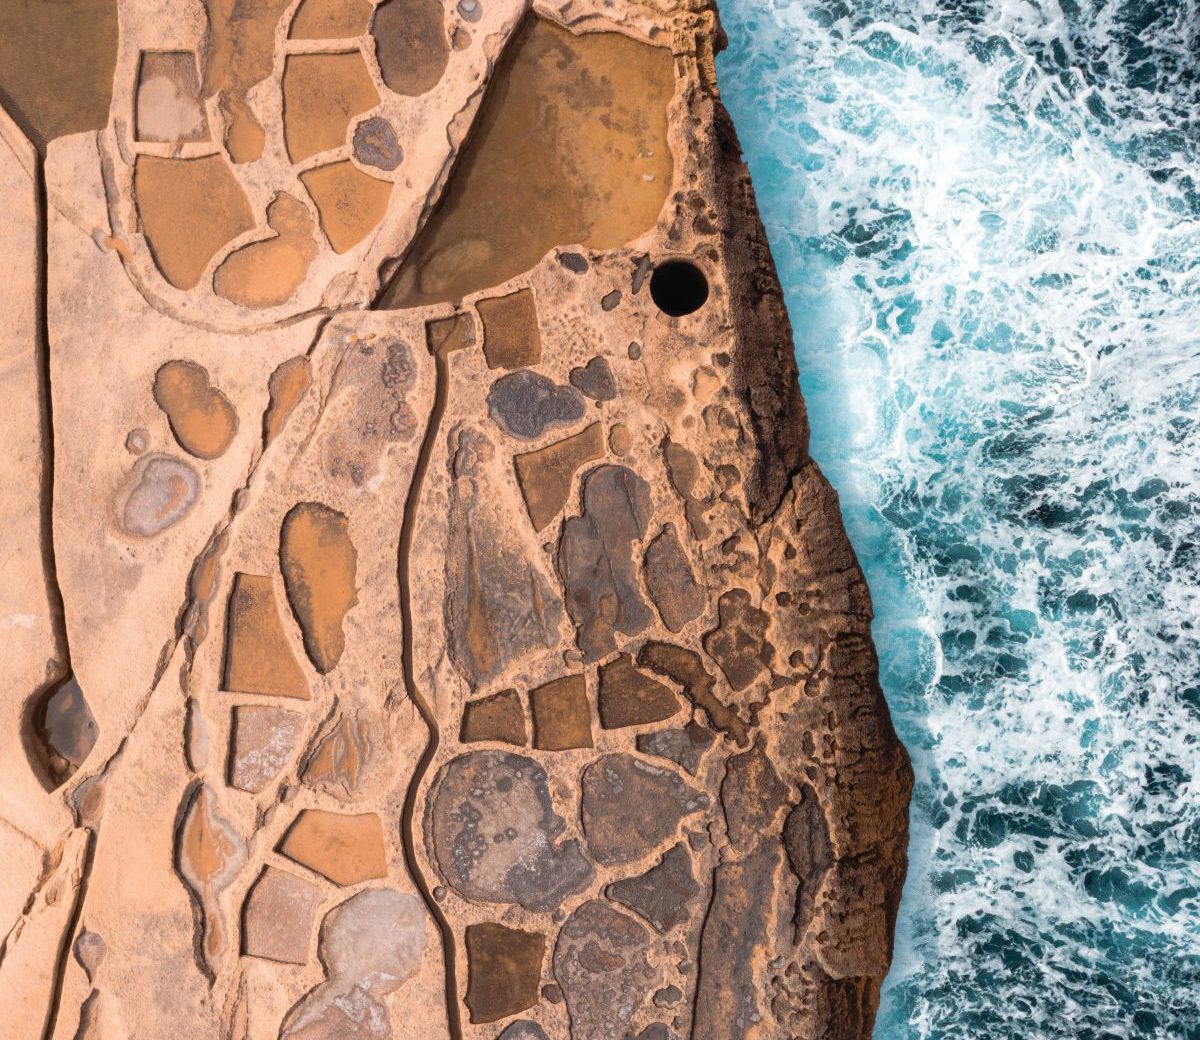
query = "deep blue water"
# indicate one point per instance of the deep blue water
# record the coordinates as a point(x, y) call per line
point(987, 220)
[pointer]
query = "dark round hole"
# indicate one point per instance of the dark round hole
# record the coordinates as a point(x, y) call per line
point(678, 287)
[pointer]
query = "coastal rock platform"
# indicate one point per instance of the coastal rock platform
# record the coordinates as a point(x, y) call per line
point(423, 617)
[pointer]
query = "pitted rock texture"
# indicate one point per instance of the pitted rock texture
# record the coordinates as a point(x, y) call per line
point(526, 404)
point(595, 379)
point(602, 963)
point(431, 624)
point(631, 807)
point(494, 831)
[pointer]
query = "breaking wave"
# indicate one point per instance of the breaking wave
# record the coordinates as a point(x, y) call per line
point(986, 217)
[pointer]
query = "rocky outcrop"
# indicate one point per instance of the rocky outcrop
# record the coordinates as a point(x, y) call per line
point(423, 617)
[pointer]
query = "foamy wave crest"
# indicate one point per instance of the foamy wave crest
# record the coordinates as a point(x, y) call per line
point(987, 221)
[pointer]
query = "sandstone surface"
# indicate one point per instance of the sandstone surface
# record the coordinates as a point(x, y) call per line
point(422, 616)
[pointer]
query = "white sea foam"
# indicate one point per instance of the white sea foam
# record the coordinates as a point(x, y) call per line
point(986, 219)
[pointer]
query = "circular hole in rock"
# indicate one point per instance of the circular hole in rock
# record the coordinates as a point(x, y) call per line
point(678, 287)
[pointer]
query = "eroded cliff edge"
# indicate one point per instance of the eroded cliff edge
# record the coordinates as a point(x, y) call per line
point(461, 641)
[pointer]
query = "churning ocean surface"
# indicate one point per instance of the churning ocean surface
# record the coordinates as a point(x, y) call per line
point(986, 216)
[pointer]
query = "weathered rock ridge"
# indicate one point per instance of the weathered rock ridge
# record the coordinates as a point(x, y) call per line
point(423, 618)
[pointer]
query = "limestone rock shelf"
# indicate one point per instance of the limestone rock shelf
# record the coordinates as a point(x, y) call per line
point(423, 618)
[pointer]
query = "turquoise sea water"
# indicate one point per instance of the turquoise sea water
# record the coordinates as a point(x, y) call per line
point(986, 216)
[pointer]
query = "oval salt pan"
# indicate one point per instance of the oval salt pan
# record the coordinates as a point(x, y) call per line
point(319, 563)
point(202, 418)
point(163, 493)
